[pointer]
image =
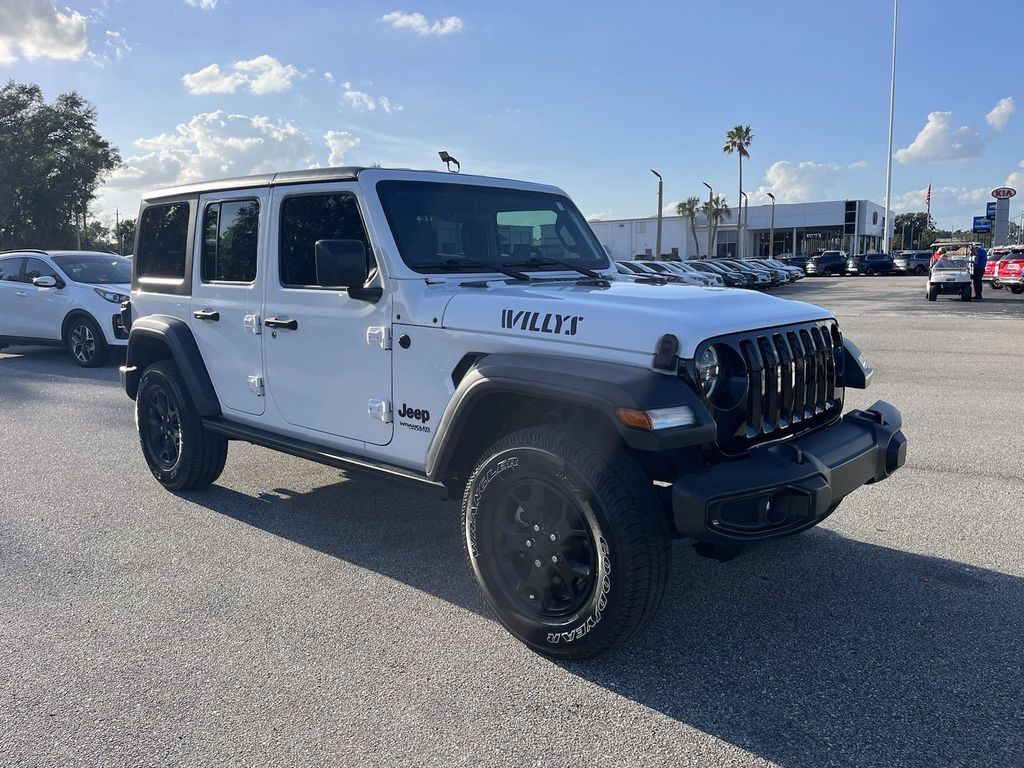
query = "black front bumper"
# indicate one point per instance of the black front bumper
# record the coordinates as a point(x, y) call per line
point(783, 488)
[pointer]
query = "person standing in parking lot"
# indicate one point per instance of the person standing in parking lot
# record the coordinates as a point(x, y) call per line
point(980, 259)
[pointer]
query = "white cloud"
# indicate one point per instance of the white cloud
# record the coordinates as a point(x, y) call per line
point(800, 182)
point(36, 29)
point(206, 5)
point(597, 215)
point(211, 80)
point(213, 145)
point(339, 142)
point(1000, 114)
point(329, 77)
point(945, 200)
point(364, 102)
point(939, 142)
point(1016, 179)
point(267, 74)
point(419, 23)
point(261, 75)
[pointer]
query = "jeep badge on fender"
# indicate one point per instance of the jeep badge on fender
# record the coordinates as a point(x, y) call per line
point(584, 418)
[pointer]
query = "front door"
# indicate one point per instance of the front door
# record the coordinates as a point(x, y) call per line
point(227, 296)
point(328, 369)
point(45, 307)
point(12, 298)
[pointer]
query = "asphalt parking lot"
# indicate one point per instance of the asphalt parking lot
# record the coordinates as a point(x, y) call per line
point(293, 615)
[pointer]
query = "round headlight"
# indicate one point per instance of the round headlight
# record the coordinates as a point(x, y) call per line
point(708, 370)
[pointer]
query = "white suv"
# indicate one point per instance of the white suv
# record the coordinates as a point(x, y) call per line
point(471, 333)
point(64, 298)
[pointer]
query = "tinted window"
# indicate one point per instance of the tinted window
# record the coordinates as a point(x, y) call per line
point(438, 226)
point(37, 268)
point(10, 269)
point(163, 241)
point(95, 268)
point(308, 218)
point(229, 241)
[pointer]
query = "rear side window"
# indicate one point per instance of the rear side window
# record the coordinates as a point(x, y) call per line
point(163, 241)
point(308, 218)
point(10, 270)
point(230, 237)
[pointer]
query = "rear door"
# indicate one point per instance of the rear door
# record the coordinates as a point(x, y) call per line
point(227, 294)
point(12, 297)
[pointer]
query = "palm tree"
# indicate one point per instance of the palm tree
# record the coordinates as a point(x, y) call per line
point(736, 141)
point(689, 208)
point(717, 213)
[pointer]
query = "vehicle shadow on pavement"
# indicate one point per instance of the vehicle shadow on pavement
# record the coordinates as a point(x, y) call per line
point(808, 651)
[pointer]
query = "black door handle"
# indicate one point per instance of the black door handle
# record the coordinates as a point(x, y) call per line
point(274, 322)
point(206, 314)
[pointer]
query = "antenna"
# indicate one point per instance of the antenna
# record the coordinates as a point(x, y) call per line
point(448, 160)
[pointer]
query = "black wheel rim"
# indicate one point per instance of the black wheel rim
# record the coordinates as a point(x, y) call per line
point(542, 555)
point(83, 343)
point(162, 430)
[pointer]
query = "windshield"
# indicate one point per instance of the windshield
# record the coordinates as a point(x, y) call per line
point(958, 264)
point(437, 225)
point(95, 268)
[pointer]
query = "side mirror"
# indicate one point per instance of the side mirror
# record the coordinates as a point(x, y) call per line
point(342, 264)
point(45, 281)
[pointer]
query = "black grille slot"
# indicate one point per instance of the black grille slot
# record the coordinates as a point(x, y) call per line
point(791, 383)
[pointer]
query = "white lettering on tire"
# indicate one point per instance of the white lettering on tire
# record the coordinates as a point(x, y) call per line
point(602, 602)
point(474, 503)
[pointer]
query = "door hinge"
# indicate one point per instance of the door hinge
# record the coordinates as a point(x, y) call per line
point(252, 322)
point(379, 336)
point(256, 385)
point(380, 410)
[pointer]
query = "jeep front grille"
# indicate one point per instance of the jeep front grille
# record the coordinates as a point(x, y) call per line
point(791, 383)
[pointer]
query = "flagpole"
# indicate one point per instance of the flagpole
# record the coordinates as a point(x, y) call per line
point(892, 105)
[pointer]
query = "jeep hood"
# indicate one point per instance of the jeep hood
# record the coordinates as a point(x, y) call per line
point(624, 315)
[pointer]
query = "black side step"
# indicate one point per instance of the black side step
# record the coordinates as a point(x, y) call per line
point(305, 450)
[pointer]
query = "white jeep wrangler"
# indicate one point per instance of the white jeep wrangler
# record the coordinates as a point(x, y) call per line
point(472, 333)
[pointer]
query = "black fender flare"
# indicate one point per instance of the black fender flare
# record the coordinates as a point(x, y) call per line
point(600, 386)
point(149, 337)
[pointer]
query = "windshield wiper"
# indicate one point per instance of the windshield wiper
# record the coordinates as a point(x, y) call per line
point(537, 261)
point(465, 261)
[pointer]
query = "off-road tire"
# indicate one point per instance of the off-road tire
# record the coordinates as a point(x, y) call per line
point(509, 500)
point(85, 343)
point(1017, 289)
point(933, 293)
point(200, 455)
point(965, 293)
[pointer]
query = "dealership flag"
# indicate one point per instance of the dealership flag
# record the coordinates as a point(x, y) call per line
point(928, 199)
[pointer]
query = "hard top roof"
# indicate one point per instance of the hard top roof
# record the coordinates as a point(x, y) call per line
point(308, 176)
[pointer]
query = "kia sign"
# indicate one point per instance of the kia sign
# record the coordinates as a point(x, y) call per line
point(1003, 193)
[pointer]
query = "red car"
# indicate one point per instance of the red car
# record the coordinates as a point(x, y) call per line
point(1006, 267)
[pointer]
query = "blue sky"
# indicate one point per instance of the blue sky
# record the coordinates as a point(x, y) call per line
point(587, 96)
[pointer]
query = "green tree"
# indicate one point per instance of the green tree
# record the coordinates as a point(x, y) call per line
point(737, 140)
point(689, 208)
point(913, 230)
point(52, 159)
point(716, 211)
point(98, 237)
point(125, 235)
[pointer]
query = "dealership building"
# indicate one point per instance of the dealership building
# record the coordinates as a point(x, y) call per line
point(854, 226)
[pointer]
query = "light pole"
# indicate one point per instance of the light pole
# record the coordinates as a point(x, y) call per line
point(711, 203)
point(892, 105)
point(771, 236)
point(657, 255)
point(744, 212)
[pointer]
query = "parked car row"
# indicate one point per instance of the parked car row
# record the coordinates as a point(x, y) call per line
point(731, 273)
point(829, 263)
point(1005, 267)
